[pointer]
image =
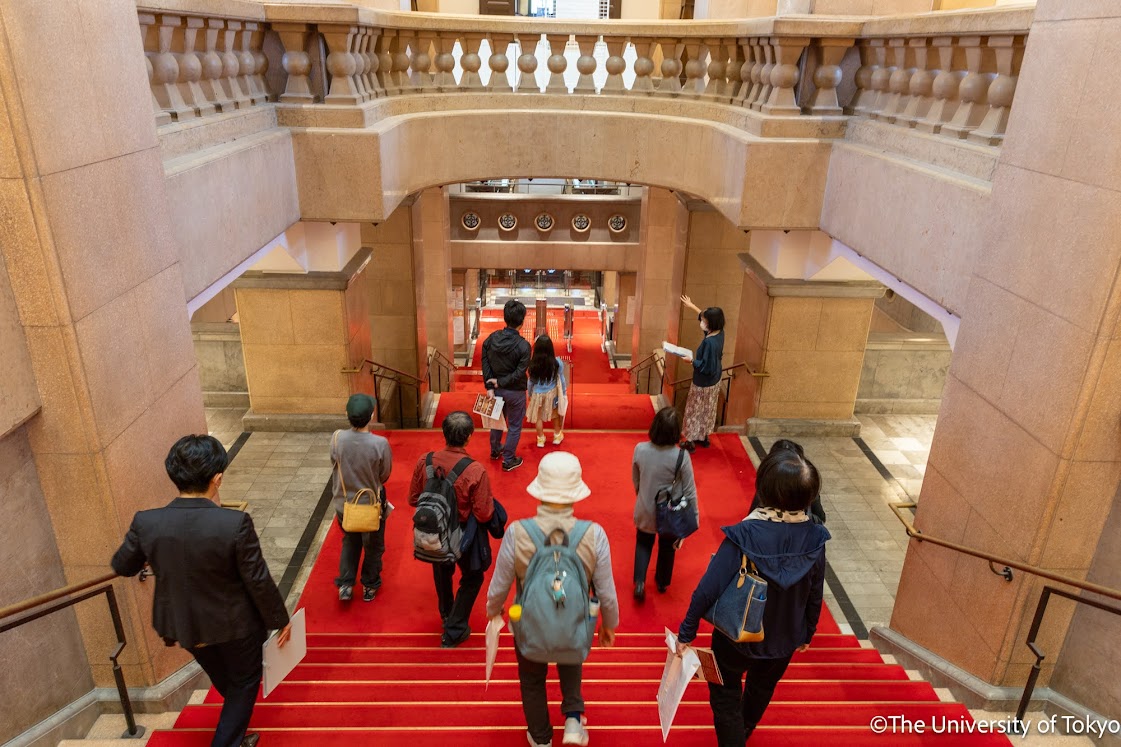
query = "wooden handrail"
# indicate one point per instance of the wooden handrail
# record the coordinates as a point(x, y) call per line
point(383, 367)
point(50, 596)
point(643, 362)
point(723, 371)
point(917, 534)
point(438, 354)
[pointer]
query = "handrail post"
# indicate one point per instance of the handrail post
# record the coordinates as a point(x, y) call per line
point(1033, 675)
point(118, 675)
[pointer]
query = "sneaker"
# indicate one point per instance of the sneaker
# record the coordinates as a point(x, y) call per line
point(557, 438)
point(534, 743)
point(346, 593)
point(368, 594)
point(512, 465)
point(574, 731)
point(662, 589)
point(541, 442)
point(496, 455)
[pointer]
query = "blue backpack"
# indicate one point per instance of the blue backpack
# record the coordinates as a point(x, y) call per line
point(557, 623)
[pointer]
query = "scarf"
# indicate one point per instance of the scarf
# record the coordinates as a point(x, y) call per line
point(778, 515)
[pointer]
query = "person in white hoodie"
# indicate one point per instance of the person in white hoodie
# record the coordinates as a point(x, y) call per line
point(558, 487)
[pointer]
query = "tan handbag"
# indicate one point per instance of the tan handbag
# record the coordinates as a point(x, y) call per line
point(358, 516)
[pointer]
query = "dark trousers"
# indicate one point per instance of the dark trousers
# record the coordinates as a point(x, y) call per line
point(234, 668)
point(736, 708)
point(644, 548)
point(514, 410)
point(535, 703)
point(370, 546)
point(455, 608)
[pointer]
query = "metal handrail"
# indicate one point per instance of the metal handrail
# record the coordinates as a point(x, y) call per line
point(1006, 573)
point(68, 596)
point(647, 365)
point(396, 376)
point(727, 374)
point(644, 361)
point(442, 364)
point(726, 369)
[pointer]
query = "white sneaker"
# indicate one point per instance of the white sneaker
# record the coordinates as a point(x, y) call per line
point(557, 438)
point(574, 731)
point(541, 442)
point(533, 743)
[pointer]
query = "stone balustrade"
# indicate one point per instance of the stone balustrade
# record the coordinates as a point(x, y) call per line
point(948, 74)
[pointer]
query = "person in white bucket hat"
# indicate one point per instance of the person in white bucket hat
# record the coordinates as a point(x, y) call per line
point(558, 486)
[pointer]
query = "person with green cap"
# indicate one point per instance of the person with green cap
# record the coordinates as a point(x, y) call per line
point(361, 460)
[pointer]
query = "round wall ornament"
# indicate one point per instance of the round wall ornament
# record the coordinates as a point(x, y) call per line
point(581, 223)
point(470, 220)
point(617, 223)
point(544, 222)
point(507, 221)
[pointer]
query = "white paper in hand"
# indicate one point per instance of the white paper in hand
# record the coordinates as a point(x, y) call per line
point(279, 662)
point(675, 678)
point(676, 350)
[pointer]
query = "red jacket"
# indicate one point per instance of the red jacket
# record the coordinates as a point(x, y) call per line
point(472, 489)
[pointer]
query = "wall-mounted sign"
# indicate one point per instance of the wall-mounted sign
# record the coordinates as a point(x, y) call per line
point(581, 223)
point(507, 221)
point(617, 223)
point(470, 220)
point(544, 222)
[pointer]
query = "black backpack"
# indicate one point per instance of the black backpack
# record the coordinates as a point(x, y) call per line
point(437, 533)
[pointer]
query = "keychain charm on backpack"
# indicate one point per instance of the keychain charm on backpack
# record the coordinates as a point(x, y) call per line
point(559, 595)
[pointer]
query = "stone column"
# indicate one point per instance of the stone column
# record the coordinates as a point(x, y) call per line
point(663, 233)
point(610, 288)
point(812, 351)
point(96, 277)
point(1026, 460)
point(390, 293)
point(625, 319)
point(432, 274)
point(299, 335)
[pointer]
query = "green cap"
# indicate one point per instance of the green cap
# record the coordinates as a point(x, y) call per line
point(360, 406)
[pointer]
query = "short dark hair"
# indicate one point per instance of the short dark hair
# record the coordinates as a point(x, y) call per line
point(458, 427)
point(787, 481)
point(513, 313)
point(194, 461)
point(665, 430)
point(785, 444)
point(714, 318)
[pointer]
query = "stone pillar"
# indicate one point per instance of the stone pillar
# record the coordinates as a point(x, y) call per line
point(390, 293)
point(1026, 460)
point(813, 351)
point(458, 310)
point(470, 294)
point(432, 274)
point(628, 313)
point(96, 277)
point(610, 288)
point(300, 333)
point(663, 232)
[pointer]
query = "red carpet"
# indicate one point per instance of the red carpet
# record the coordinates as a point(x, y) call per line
point(613, 412)
point(375, 674)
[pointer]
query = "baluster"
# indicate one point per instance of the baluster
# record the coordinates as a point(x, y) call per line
point(359, 76)
point(735, 70)
point(471, 62)
point(881, 78)
point(213, 67)
point(1009, 53)
point(695, 68)
point(402, 60)
point(341, 65)
point(386, 46)
point(231, 66)
point(615, 64)
point(784, 75)
point(421, 66)
point(899, 84)
point(556, 63)
point(190, 67)
point(247, 63)
point(717, 85)
point(527, 62)
point(166, 73)
point(499, 63)
point(260, 63)
point(586, 64)
point(764, 93)
point(974, 89)
point(827, 75)
point(946, 86)
point(748, 72)
point(445, 62)
point(150, 43)
point(373, 62)
point(671, 67)
point(865, 95)
point(921, 85)
point(294, 37)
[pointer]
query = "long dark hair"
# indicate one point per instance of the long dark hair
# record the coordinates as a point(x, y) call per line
point(543, 365)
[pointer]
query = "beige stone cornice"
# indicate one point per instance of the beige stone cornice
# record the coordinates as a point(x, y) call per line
point(810, 288)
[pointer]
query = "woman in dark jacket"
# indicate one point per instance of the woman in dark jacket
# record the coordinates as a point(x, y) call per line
point(704, 393)
point(788, 550)
point(817, 511)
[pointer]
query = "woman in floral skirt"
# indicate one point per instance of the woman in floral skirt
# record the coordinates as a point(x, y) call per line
point(700, 407)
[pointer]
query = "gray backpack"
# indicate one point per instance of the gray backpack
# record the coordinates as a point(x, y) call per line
point(557, 625)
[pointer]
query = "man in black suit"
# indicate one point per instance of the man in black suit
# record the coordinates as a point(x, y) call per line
point(214, 595)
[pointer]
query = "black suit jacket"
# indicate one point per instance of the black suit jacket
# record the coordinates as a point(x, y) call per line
point(212, 583)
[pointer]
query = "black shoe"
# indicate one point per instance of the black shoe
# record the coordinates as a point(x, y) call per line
point(702, 443)
point(512, 465)
point(640, 591)
point(689, 446)
point(368, 594)
point(449, 643)
point(496, 455)
point(250, 740)
point(346, 593)
point(662, 589)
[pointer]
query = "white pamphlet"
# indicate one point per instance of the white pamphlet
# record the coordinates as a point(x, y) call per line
point(279, 662)
point(677, 350)
point(675, 678)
